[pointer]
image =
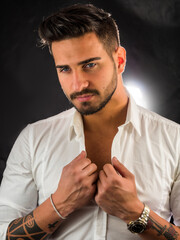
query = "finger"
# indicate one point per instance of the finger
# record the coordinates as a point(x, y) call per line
point(109, 170)
point(120, 168)
point(80, 156)
point(93, 178)
point(102, 176)
point(90, 169)
point(81, 160)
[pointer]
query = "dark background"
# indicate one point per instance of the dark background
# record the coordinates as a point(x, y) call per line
point(30, 91)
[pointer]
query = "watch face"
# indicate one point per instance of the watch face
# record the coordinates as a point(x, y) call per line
point(137, 227)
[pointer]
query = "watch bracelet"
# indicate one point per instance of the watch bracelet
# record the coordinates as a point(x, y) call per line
point(145, 214)
point(143, 219)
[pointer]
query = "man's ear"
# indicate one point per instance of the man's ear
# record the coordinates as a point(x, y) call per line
point(121, 59)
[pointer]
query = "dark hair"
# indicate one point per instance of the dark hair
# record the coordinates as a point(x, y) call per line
point(77, 20)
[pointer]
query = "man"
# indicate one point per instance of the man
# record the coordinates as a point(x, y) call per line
point(104, 169)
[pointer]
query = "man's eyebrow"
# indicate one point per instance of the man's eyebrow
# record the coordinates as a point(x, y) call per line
point(61, 66)
point(89, 60)
point(80, 63)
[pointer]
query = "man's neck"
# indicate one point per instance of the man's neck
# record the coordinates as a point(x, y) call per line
point(110, 117)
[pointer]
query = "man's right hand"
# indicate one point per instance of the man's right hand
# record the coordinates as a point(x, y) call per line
point(77, 185)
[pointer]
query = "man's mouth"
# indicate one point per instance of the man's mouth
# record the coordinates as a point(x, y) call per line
point(85, 97)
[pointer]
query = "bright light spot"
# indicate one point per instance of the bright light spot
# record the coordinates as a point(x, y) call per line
point(136, 94)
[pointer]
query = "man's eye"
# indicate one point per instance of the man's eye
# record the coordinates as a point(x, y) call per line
point(64, 69)
point(89, 65)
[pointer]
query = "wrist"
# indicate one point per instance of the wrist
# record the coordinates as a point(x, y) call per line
point(134, 212)
point(55, 209)
point(58, 206)
point(62, 207)
point(140, 224)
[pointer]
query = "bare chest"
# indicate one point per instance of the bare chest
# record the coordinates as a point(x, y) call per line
point(98, 150)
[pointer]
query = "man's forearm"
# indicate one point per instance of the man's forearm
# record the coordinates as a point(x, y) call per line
point(25, 227)
point(160, 229)
point(37, 225)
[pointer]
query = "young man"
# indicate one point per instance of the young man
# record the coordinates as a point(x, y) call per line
point(104, 169)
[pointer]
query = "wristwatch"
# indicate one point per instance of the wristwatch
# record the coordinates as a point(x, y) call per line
point(139, 225)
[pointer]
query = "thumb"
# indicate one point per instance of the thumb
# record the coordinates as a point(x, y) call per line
point(120, 168)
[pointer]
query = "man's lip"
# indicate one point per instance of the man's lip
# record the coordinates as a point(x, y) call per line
point(84, 97)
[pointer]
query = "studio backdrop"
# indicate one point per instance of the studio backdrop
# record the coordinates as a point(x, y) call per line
point(30, 91)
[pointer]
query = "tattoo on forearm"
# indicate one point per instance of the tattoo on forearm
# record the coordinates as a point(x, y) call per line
point(53, 225)
point(168, 232)
point(24, 229)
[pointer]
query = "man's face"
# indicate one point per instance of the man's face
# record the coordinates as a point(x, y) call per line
point(86, 72)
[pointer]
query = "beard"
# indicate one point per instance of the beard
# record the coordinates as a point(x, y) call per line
point(87, 108)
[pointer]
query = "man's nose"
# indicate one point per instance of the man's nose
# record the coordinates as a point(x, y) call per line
point(79, 81)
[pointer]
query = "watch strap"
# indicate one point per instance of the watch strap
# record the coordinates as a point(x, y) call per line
point(142, 221)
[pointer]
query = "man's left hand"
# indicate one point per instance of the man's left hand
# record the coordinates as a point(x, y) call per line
point(117, 193)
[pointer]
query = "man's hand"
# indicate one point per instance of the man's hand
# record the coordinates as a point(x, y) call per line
point(77, 185)
point(117, 192)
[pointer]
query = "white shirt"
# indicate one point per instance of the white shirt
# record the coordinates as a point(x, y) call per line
point(147, 144)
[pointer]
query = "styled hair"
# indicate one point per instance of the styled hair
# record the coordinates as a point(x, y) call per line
point(77, 20)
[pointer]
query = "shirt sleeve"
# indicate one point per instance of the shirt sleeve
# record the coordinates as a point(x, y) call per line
point(175, 193)
point(175, 199)
point(18, 192)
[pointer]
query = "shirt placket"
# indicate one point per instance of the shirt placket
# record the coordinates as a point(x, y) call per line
point(100, 229)
point(101, 217)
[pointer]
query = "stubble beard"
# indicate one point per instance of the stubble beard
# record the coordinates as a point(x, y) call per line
point(86, 107)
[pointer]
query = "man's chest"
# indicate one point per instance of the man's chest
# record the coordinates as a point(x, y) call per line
point(98, 149)
point(99, 153)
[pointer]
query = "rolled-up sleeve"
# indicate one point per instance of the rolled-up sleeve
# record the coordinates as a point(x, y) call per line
point(18, 192)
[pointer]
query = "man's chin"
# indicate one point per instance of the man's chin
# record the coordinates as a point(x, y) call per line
point(88, 110)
